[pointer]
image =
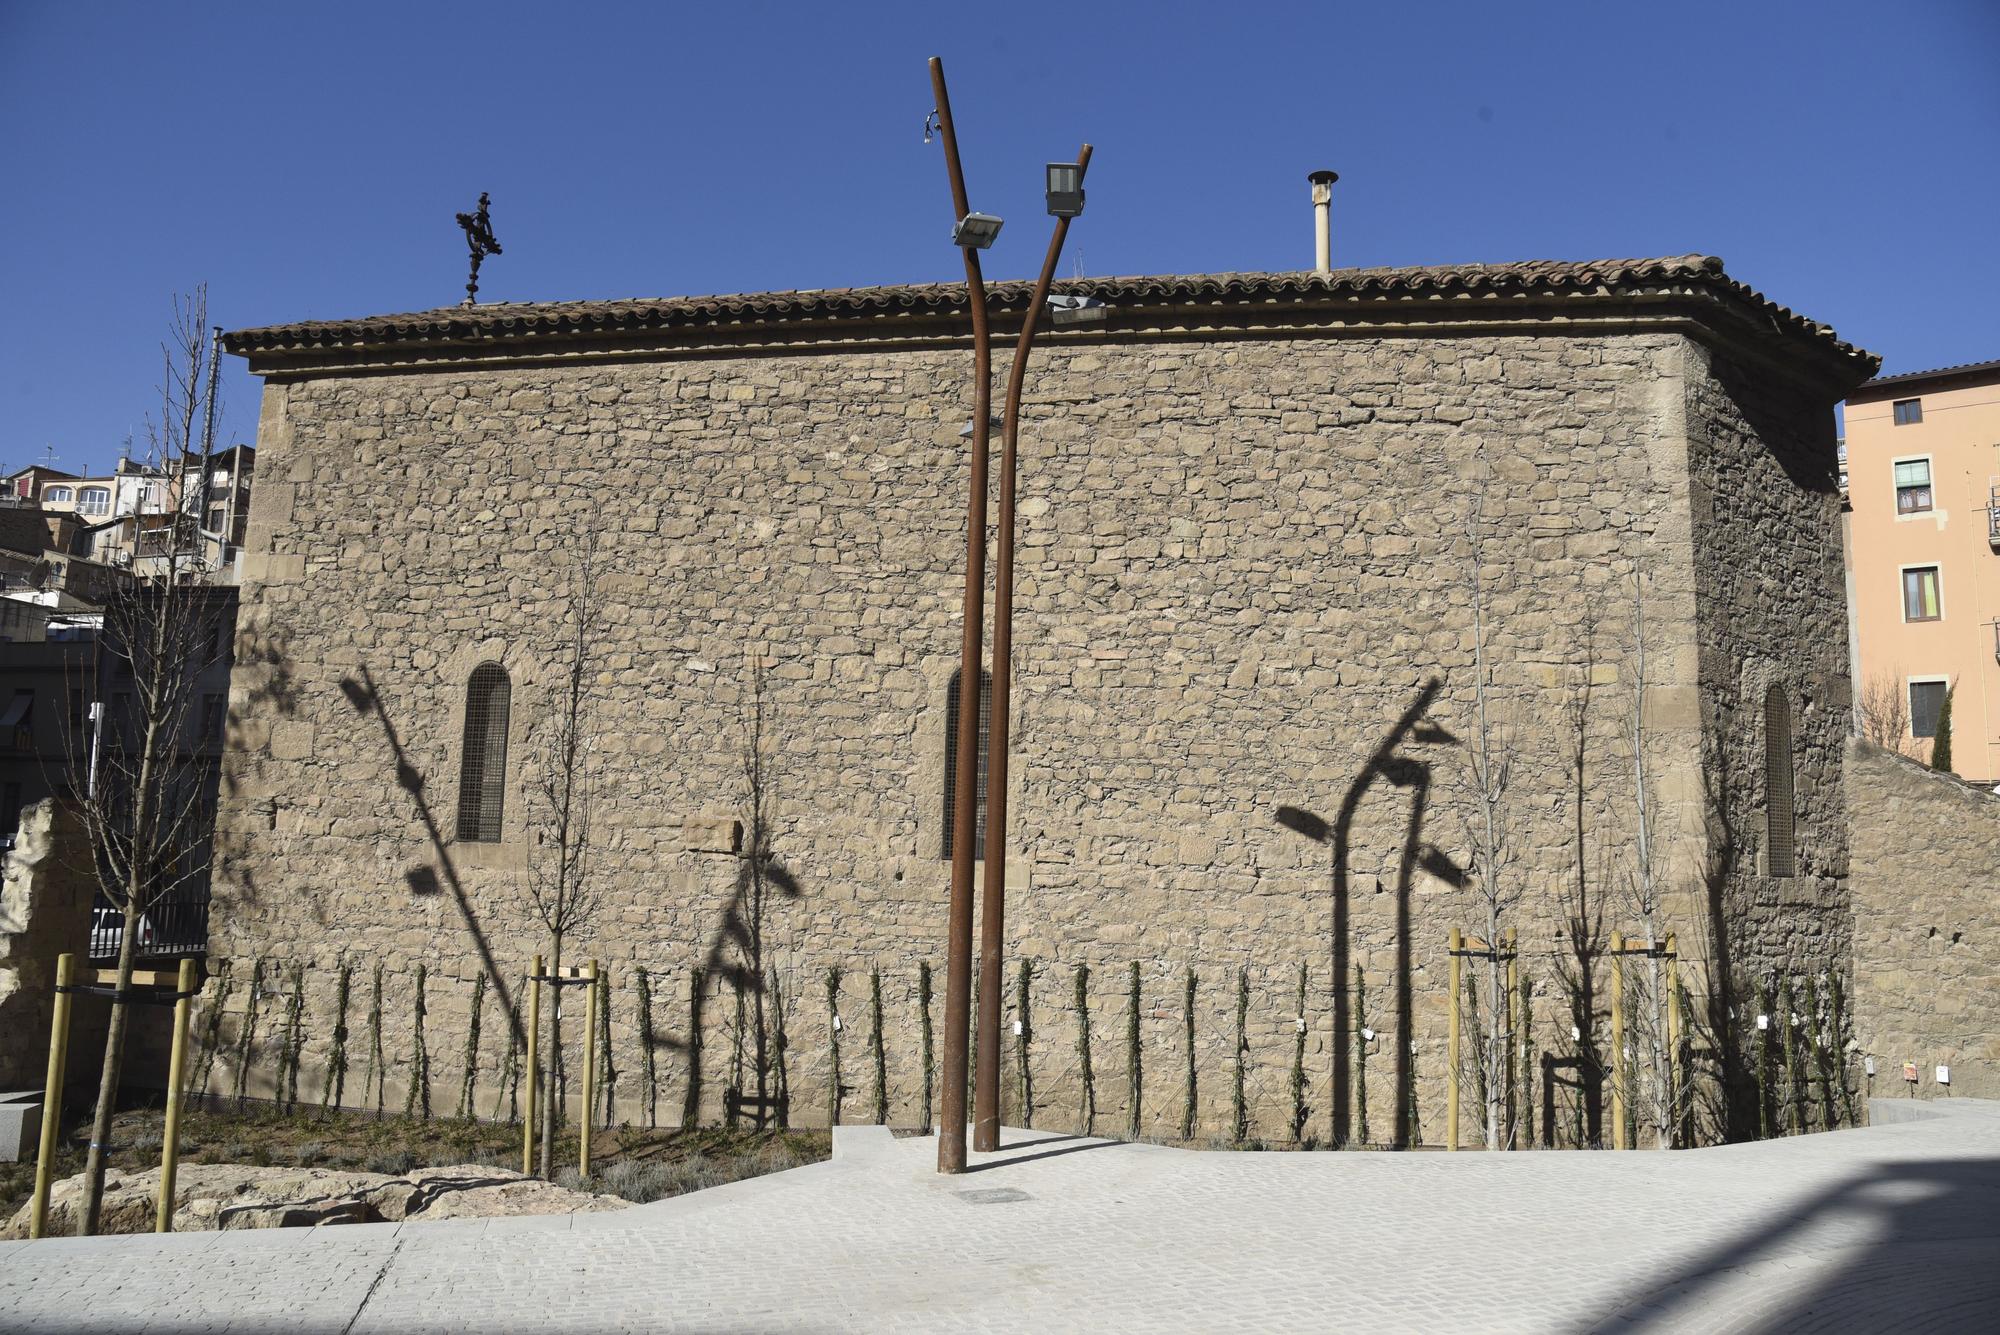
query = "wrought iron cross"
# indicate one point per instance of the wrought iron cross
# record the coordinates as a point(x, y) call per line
point(480, 241)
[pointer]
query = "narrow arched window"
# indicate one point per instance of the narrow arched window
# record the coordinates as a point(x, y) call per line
point(1780, 818)
point(951, 762)
point(482, 770)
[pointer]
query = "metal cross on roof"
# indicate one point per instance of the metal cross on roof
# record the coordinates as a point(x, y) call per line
point(480, 241)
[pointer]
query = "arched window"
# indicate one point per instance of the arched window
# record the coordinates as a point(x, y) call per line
point(951, 762)
point(94, 500)
point(482, 770)
point(56, 495)
point(1780, 819)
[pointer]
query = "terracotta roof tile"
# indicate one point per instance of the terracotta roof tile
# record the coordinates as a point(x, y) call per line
point(1906, 379)
point(506, 320)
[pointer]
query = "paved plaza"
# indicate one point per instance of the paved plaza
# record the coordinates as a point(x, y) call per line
point(1895, 1227)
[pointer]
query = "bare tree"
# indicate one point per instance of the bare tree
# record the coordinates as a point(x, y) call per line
point(1883, 717)
point(1489, 762)
point(559, 884)
point(1582, 930)
point(1645, 887)
point(141, 794)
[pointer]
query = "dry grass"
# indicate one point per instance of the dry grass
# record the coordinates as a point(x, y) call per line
point(633, 1163)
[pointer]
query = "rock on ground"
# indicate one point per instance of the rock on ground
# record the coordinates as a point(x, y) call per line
point(233, 1196)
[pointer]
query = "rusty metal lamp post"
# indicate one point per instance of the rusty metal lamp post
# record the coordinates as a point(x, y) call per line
point(971, 233)
point(1065, 201)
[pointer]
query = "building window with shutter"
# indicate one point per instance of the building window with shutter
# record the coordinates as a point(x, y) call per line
point(1922, 600)
point(1913, 486)
point(482, 770)
point(951, 763)
point(1926, 703)
point(1780, 818)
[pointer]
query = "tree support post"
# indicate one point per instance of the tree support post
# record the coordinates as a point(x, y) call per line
point(170, 1145)
point(1618, 1040)
point(589, 1070)
point(38, 1216)
point(534, 1068)
point(1451, 1064)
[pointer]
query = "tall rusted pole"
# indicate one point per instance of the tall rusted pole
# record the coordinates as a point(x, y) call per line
point(1451, 1048)
point(993, 896)
point(964, 818)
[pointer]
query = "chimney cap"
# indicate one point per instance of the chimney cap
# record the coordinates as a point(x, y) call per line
point(1323, 177)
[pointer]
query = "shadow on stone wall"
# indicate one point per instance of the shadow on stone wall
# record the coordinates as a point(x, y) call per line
point(263, 665)
point(1414, 776)
point(759, 1083)
point(423, 879)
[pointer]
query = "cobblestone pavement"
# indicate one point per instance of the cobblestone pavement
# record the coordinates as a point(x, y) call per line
point(1892, 1227)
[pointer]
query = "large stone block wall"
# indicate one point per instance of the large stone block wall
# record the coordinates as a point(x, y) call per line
point(1926, 953)
point(1243, 585)
point(1772, 613)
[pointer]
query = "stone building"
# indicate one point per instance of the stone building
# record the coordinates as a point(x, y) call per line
point(1252, 510)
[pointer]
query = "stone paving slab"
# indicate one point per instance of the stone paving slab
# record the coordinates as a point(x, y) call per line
point(1892, 1227)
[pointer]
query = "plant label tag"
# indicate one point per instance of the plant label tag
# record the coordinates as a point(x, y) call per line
point(1910, 1072)
point(1944, 1075)
point(1302, 1024)
point(836, 1022)
point(1868, 1065)
point(1763, 1022)
point(1017, 1028)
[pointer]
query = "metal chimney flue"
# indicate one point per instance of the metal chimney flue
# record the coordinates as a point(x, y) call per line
point(1322, 188)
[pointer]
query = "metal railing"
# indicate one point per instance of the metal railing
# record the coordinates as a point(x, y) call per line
point(176, 924)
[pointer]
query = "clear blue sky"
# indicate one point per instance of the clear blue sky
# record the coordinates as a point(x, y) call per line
point(305, 161)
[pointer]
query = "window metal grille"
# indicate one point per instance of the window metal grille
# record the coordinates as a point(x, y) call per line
point(482, 773)
point(1926, 703)
point(1780, 818)
point(951, 762)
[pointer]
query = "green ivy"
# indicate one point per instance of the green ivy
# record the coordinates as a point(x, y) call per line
point(1087, 1112)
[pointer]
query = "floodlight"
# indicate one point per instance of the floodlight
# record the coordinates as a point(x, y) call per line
point(1065, 189)
point(975, 231)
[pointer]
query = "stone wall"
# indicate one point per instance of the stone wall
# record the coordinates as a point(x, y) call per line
point(1243, 587)
point(1772, 614)
point(1926, 953)
point(45, 903)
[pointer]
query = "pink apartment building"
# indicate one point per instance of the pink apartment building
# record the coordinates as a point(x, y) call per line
point(1923, 481)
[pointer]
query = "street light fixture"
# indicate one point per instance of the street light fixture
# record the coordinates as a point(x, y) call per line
point(1065, 190)
point(975, 231)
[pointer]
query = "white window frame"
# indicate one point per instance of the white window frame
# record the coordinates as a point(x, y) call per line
point(1930, 468)
point(59, 495)
point(1902, 601)
point(1933, 680)
point(82, 506)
